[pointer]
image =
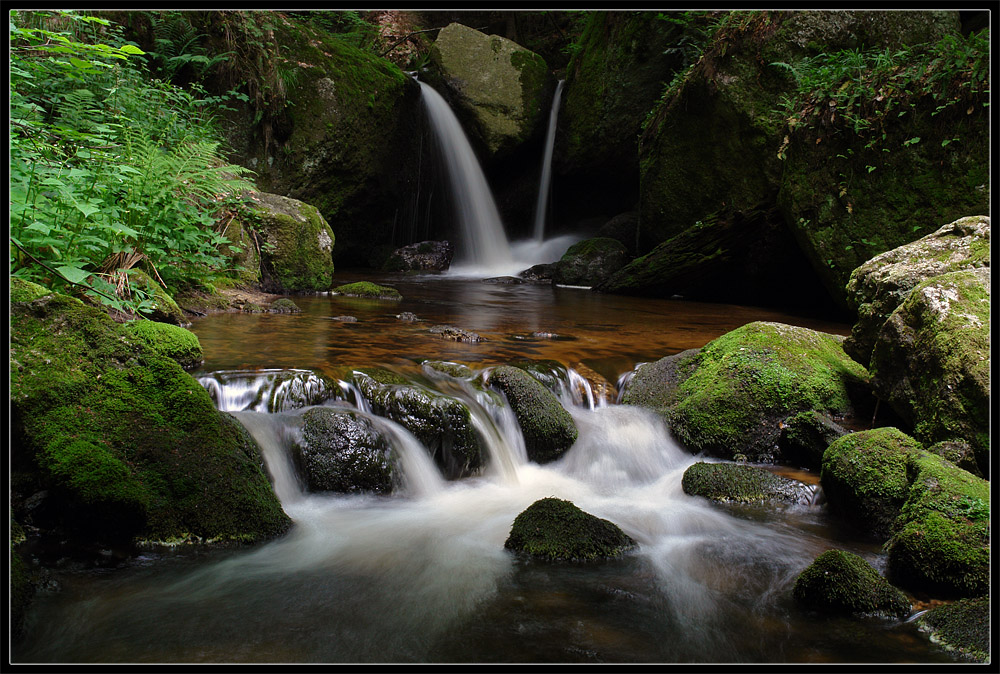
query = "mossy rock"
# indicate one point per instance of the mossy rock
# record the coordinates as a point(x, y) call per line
point(165, 309)
point(343, 451)
point(368, 290)
point(590, 262)
point(554, 530)
point(841, 582)
point(958, 452)
point(737, 483)
point(731, 396)
point(299, 251)
point(962, 627)
point(805, 436)
point(931, 361)
point(284, 306)
point(455, 370)
point(168, 340)
point(442, 423)
point(864, 477)
point(941, 540)
point(547, 427)
point(129, 446)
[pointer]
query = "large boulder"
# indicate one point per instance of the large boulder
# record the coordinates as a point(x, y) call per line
point(500, 87)
point(739, 483)
point(880, 285)
point(731, 397)
point(841, 582)
point(442, 423)
point(590, 262)
point(554, 530)
point(961, 626)
point(298, 255)
point(343, 451)
point(115, 442)
point(423, 256)
point(864, 477)
point(931, 361)
point(547, 427)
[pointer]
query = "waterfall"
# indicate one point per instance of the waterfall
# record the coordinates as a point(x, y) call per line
point(484, 242)
point(543, 183)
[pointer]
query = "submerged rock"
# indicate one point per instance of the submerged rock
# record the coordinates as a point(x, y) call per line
point(841, 582)
point(442, 423)
point(299, 254)
point(731, 482)
point(456, 334)
point(407, 317)
point(962, 627)
point(367, 290)
point(422, 256)
point(343, 451)
point(547, 427)
point(553, 530)
point(590, 262)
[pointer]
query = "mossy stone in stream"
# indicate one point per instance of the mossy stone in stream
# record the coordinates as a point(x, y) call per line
point(552, 529)
point(284, 306)
point(841, 582)
point(962, 626)
point(343, 451)
point(547, 427)
point(731, 482)
point(368, 290)
point(169, 340)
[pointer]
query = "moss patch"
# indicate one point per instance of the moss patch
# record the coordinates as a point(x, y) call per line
point(168, 340)
point(368, 290)
point(841, 582)
point(962, 626)
point(555, 530)
point(734, 483)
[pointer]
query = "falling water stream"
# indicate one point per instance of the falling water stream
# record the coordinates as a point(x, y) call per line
point(546, 176)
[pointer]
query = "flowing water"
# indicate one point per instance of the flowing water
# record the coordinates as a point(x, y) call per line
point(543, 184)
point(422, 575)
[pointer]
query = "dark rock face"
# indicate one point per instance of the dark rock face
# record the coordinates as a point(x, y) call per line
point(736, 483)
point(841, 582)
point(554, 530)
point(547, 427)
point(590, 262)
point(343, 451)
point(962, 626)
point(423, 256)
point(805, 437)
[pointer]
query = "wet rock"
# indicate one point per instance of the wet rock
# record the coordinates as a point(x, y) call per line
point(504, 280)
point(590, 262)
point(931, 361)
point(962, 627)
point(443, 424)
point(805, 436)
point(456, 370)
point(423, 256)
point(880, 285)
point(343, 451)
point(600, 387)
point(554, 530)
point(407, 317)
point(299, 254)
point(738, 483)
point(500, 87)
point(367, 290)
point(547, 427)
point(958, 452)
point(456, 334)
point(622, 228)
point(540, 273)
point(841, 582)
point(344, 319)
point(284, 306)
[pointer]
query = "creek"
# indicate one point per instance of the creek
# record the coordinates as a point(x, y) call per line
point(422, 575)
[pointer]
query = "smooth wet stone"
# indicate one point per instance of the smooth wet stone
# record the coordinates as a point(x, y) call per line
point(343, 451)
point(457, 334)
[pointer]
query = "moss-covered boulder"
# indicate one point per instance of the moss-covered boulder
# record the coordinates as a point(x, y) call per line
point(962, 627)
point(343, 451)
point(125, 443)
point(941, 540)
point(164, 308)
point(442, 423)
point(841, 582)
point(590, 262)
point(731, 397)
point(864, 477)
point(500, 87)
point(299, 251)
point(805, 436)
point(554, 530)
point(958, 452)
point(168, 340)
point(880, 285)
point(367, 290)
point(547, 427)
point(284, 306)
point(931, 361)
point(740, 483)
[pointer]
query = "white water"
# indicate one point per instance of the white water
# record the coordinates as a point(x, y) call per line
point(484, 244)
point(543, 184)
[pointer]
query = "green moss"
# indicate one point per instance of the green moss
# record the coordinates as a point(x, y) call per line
point(165, 309)
point(941, 541)
point(456, 370)
point(547, 427)
point(555, 530)
point(299, 255)
point(841, 582)
point(168, 340)
point(864, 477)
point(728, 482)
point(962, 626)
point(368, 290)
point(26, 291)
point(285, 306)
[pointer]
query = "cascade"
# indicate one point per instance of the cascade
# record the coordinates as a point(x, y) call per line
point(543, 183)
point(484, 244)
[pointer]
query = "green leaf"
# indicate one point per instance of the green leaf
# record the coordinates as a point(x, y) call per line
point(73, 274)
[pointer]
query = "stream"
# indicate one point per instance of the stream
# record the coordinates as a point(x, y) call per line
point(422, 575)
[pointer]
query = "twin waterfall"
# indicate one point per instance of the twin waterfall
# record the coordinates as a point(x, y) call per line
point(484, 247)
